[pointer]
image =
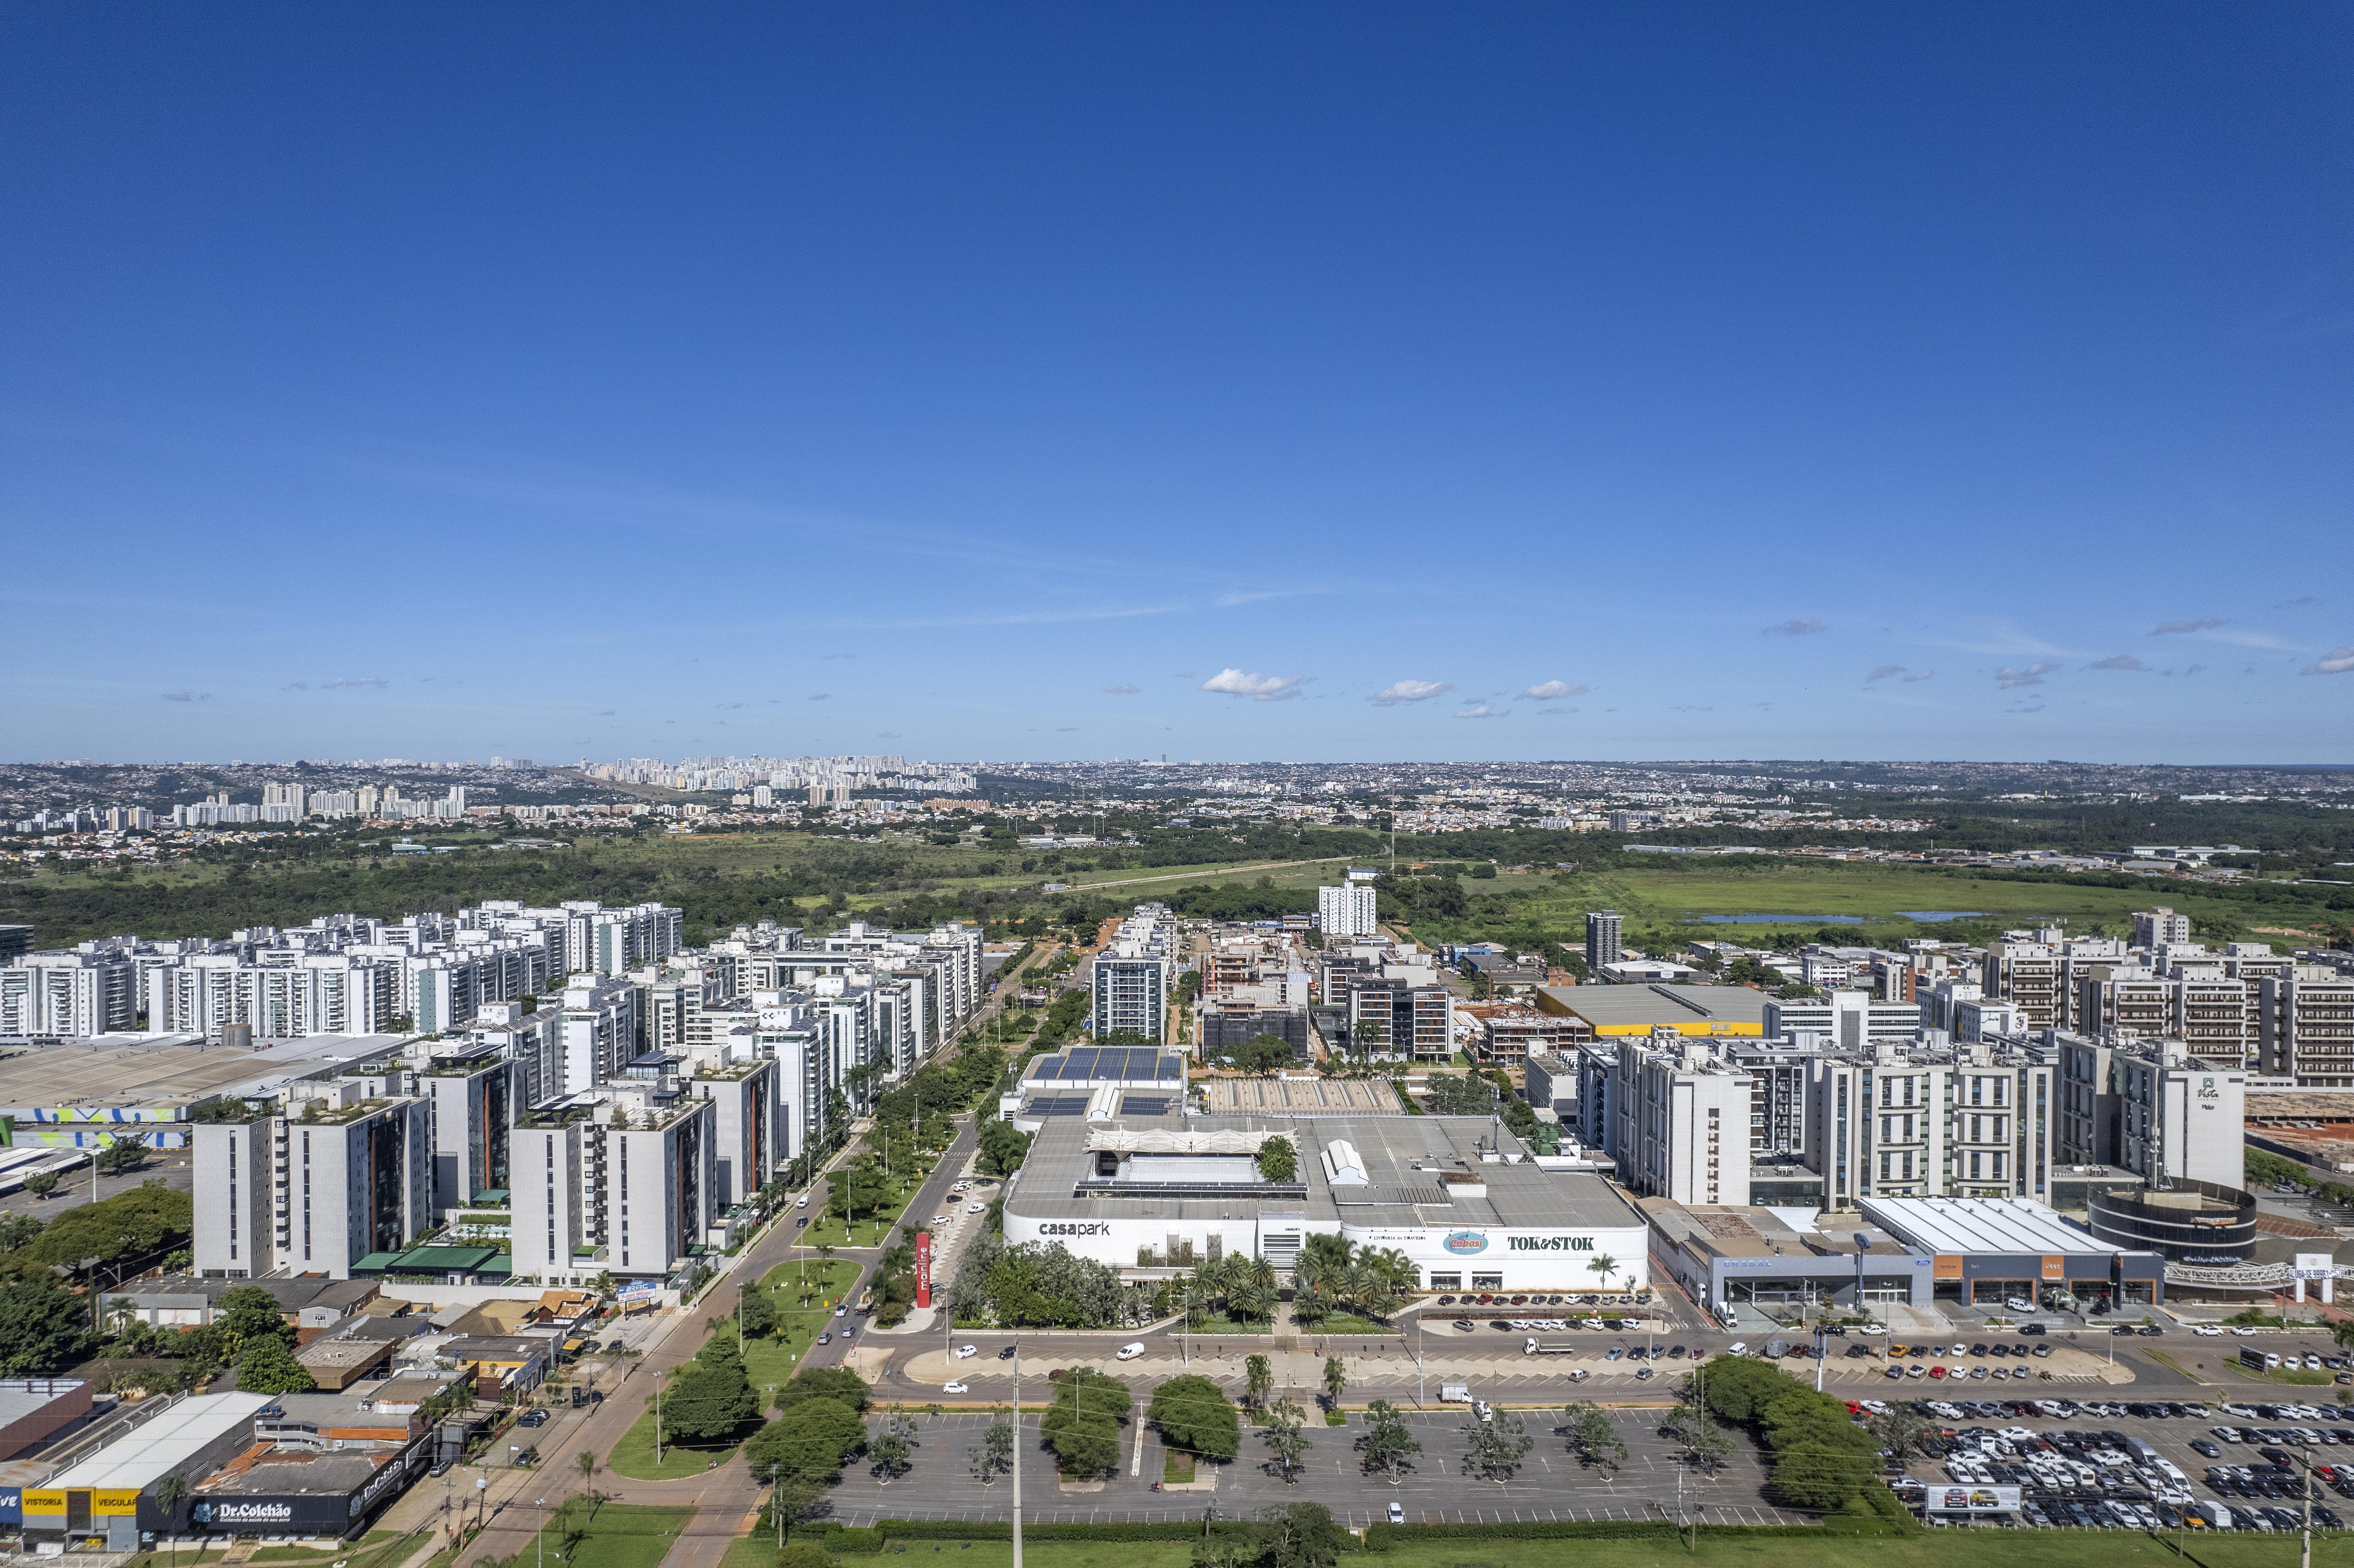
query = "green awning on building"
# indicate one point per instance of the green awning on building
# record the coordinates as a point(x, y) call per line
point(375, 1263)
point(444, 1259)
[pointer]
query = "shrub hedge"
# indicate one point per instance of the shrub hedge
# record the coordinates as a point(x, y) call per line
point(853, 1539)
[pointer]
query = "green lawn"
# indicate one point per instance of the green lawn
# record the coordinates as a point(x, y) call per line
point(1658, 902)
point(377, 1549)
point(808, 1275)
point(1176, 1466)
point(617, 1535)
point(871, 1229)
point(768, 1362)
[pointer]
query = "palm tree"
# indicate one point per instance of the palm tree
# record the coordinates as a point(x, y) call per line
point(168, 1493)
point(587, 1459)
point(1606, 1265)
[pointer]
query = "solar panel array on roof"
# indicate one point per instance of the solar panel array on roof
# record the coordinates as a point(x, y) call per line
point(1146, 1105)
point(1056, 1104)
point(1127, 1063)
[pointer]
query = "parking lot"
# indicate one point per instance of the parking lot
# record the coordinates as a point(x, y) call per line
point(1551, 1484)
point(2143, 1465)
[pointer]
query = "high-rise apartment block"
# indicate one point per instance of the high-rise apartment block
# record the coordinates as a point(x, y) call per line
point(1347, 910)
point(1602, 944)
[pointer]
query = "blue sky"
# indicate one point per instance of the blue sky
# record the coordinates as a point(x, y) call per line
point(1289, 382)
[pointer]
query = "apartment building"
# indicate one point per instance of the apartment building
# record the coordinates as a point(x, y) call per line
point(1847, 1020)
point(1347, 910)
point(2305, 1027)
point(1603, 945)
point(330, 1180)
point(1678, 1119)
point(1963, 1120)
point(620, 1182)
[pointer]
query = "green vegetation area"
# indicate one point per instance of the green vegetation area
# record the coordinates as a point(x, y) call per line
point(1660, 897)
point(612, 1535)
point(377, 1549)
point(722, 879)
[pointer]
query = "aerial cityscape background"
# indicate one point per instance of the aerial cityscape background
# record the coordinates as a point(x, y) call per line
point(1200, 785)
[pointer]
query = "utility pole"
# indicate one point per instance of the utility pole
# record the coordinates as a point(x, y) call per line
point(658, 1459)
point(1017, 1455)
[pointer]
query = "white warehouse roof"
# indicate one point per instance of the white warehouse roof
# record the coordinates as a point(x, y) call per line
point(1978, 1225)
point(140, 1458)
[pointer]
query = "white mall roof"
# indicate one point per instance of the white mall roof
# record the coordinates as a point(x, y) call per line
point(1978, 1225)
point(164, 1443)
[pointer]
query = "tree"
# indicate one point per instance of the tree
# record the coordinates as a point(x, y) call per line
point(709, 1399)
point(1904, 1434)
point(1083, 1426)
point(1277, 1160)
point(1002, 1147)
point(1263, 1054)
point(1261, 1376)
point(44, 1328)
point(17, 1230)
point(587, 1461)
point(1496, 1446)
point(1707, 1445)
point(812, 1440)
point(995, 1455)
point(1195, 1415)
point(268, 1367)
point(838, 1384)
point(1300, 1535)
point(1592, 1437)
point(887, 1456)
point(1387, 1443)
point(1606, 1265)
point(246, 1314)
point(127, 1153)
point(756, 1312)
point(1336, 1379)
point(41, 1184)
point(1286, 1437)
point(2342, 1330)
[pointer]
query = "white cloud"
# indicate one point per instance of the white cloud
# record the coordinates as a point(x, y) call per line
point(1553, 691)
point(1262, 688)
point(819, 696)
point(2011, 680)
point(1920, 675)
point(1481, 710)
point(1399, 692)
point(1122, 691)
point(2118, 661)
point(1556, 711)
point(2336, 661)
point(1882, 672)
point(1805, 625)
point(355, 681)
point(186, 696)
point(2178, 628)
point(886, 734)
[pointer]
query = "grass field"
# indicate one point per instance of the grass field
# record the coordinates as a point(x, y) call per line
point(1657, 903)
point(769, 1363)
point(617, 1535)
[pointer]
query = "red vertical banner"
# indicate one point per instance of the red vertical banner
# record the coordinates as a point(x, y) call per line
point(923, 1268)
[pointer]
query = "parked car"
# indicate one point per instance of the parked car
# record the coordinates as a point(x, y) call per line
point(964, 1351)
point(1397, 1512)
point(533, 1418)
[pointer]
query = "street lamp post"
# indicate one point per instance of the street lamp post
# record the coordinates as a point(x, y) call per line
point(658, 1455)
point(1017, 1454)
point(539, 1536)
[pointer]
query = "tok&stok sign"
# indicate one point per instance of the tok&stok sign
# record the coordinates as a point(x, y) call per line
point(1466, 1243)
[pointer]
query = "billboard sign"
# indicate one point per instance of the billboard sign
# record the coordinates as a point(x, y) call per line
point(923, 1268)
point(1972, 1499)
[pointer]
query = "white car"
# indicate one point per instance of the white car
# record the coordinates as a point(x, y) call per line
point(1397, 1513)
point(1738, 1348)
point(1129, 1353)
point(964, 1351)
point(2242, 1332)
point(939, 1220)
point(954, 1388)
point(842, 1312)
point(2018, 1304)
point(1874, 1406)
point(2208, 1330)
point(976, 1208)
point(803, 1204)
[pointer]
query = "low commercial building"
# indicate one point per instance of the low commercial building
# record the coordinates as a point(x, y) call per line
point(1454, 1194)
point(110, 1498)
point(31, 1408)
point(1619, 1009)
point(1985, 1251)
